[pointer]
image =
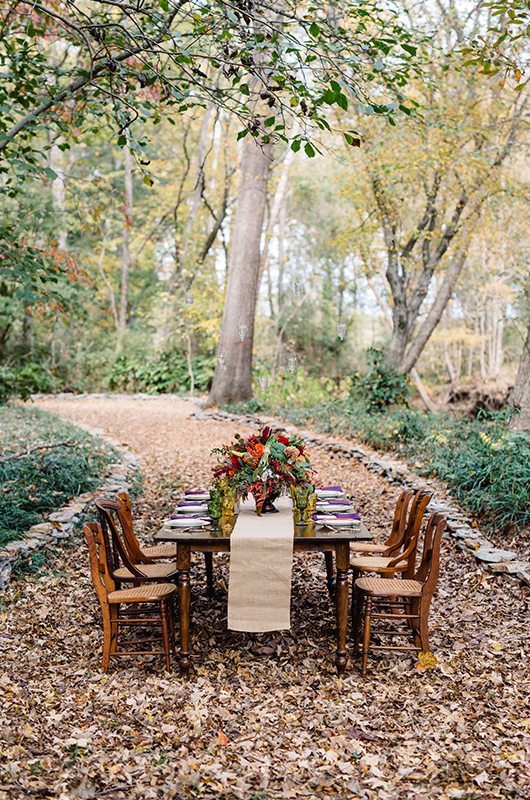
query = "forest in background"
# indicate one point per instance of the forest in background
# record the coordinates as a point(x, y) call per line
point(405, 235)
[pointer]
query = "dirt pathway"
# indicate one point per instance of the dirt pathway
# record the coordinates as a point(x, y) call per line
point(265, 716)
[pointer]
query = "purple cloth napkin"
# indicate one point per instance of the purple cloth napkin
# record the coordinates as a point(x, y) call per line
point(191, 492)
point(338, 515)
point(187, 516)
point(190, 503)
point(330, 489)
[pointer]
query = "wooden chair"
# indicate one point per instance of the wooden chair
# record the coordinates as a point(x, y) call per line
point(415, 595)
point(153, 600)
point(149, 553)
point(396, 534)
point(126, 560)
point(397, 539)
point(401, 555)
point(157, 552)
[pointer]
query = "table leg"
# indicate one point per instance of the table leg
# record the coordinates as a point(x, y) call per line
point(184, 593)
point(330, 573)
point(342, 553)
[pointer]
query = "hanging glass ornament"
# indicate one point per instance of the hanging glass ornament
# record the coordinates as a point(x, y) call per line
point(341, 330)
point(242, 330)
point(298, 288)
point(188, 297)
point(263, 383)
point(292, 362)
point(221, 361)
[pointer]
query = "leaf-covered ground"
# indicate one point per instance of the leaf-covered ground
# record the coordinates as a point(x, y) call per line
point(265, 717)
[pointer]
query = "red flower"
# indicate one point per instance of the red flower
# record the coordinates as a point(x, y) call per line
point(283, 439)
point(265, 434)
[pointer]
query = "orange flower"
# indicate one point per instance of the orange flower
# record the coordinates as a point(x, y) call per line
point(259, 449)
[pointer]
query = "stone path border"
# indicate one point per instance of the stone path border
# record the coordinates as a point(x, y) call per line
point(468, 538)
point(61, 523)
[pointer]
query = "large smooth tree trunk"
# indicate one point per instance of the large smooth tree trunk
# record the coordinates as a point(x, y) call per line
point(520, 396)
point(233, 375)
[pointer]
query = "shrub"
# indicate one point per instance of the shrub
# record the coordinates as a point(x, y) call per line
point(24, 381)
point(41, 480)
point(381, 386)
point(162, 373)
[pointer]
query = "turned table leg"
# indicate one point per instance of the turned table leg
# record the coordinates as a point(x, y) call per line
point(330, 573)
point(184, 593)
point(342, 552)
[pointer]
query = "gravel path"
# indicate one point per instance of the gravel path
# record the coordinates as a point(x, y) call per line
point(265, 717)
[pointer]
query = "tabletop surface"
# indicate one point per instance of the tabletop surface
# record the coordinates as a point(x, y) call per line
point(302, 534)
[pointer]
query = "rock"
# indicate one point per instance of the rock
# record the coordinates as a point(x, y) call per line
point(63, 516)
point(60, 534)
point(18, 548)
point(41, 537)
point(42, 528)
point(510, 567)
point(33, 544)
point(461, 533)
point(5, 573)
point(76, 507)
point(524, 575)
point(494, 555)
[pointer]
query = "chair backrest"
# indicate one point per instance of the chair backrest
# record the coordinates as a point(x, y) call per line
point(409, 544)
point(119, 534)
point(400, 518)
point(429, 568)
point(99, 566)
point(126, 515)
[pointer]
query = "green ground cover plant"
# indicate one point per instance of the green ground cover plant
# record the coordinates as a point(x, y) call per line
point(44, 461)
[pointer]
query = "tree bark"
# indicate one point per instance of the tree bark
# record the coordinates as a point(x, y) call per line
point(126, 248)
point(520, 396)
point(434, 315)
point(233, 375)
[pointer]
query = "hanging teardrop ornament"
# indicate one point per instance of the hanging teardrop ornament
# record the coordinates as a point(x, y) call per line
point(292, 362)
point(263, 383)
point(341, 330)
point(242, 331)
point(298, 288)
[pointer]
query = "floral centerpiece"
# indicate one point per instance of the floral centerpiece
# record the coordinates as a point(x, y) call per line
point(264, 465)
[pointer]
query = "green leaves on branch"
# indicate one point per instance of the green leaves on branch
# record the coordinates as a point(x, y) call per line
point(137, 63)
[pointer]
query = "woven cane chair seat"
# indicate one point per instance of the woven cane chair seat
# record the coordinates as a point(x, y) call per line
point(151, 571)
point(389, 587)
point(367, 547)
point(153, 592)
point(375, 563)
point(160, 551)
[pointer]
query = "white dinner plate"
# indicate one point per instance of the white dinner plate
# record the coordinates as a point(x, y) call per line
point(329, 493)
point(186, 523)
point(328, 507)
point(201, 496)
point(200, 508)
point(333, 522)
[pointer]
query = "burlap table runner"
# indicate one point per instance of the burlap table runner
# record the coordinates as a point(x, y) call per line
point(261, 562)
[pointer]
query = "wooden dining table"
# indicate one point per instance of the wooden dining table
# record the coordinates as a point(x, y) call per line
point(335, 544)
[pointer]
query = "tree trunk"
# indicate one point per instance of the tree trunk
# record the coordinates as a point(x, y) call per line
point(433, 316)
point(233, 375)
point(126, 249)
point(520, 396)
